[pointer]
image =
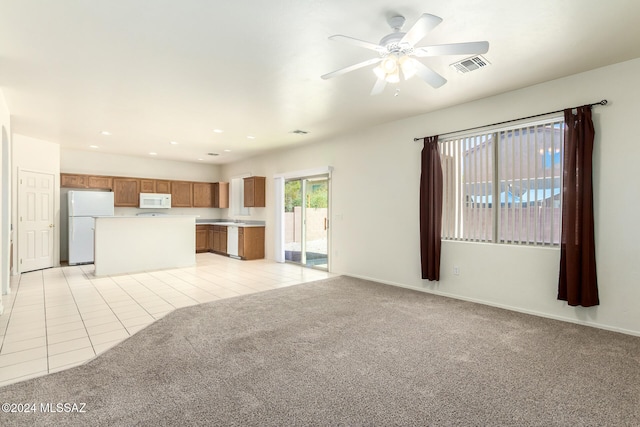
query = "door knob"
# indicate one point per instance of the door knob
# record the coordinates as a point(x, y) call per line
point(50, 225)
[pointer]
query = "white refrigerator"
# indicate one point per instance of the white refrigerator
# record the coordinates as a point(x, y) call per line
point(84, 206)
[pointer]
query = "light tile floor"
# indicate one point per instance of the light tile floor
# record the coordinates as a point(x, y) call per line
point(61, 317)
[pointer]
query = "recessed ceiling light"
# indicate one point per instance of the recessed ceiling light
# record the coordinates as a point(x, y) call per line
point(218, 130)
point(227, 151)
point(251, 137)
point(153, 154)
point(173, 142)
point(106, 133)
point(200, 159)
point(93, 146)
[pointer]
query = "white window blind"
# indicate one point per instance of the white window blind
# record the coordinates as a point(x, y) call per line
point(504, 186)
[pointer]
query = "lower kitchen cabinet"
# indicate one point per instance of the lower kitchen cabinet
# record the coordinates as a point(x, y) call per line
point(213, 238)
point(251, 242)
point(202, 238)
point(219, 244)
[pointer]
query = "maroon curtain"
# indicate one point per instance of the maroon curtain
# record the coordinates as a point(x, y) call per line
point(578, 284)
point(430, 209)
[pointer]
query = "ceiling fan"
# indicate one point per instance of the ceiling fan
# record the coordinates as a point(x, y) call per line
point(398, 52)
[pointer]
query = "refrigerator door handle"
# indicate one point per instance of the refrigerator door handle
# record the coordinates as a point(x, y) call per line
point(73, 231)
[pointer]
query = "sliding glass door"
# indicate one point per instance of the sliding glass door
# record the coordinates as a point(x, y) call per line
point(306, 207)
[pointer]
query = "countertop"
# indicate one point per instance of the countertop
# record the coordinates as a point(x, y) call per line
point(230, 223)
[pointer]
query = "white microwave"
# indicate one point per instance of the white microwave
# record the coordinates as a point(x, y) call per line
point(155, 201)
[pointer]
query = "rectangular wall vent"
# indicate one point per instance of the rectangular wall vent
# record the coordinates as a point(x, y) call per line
point(470, 64)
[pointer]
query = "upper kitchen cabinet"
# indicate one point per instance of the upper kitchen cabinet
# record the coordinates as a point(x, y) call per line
point(163, 186)
point(101, 182)
point(202, 195)
point(126, 192)
point(254, 192)
point(74, 181)
point(221, 195)
point(68, 180)
point(147, 185)
point(181, 194)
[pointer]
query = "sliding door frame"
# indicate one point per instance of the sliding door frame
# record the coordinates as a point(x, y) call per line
point(279, 184)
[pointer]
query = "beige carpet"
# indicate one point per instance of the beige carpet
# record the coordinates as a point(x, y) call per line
point(345, 351)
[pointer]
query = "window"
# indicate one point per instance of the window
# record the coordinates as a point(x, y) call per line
point(504, 186)
point(236, 195)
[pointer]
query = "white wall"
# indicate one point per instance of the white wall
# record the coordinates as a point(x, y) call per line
point(100, 163)
point(35, 155)
point(5, 196)
point(378, 170)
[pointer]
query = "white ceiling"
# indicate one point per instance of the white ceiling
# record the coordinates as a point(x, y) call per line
point(155, 71)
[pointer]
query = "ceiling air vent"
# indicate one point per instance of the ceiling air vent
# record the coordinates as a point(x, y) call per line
point(470, 64)
point(299, 132)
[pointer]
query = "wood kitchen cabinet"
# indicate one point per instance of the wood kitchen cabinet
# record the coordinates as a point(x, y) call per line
point(219, 244)
point(100, 182)
point(163, 186)
point(202, 238)
point(147, 185)
point(254, 192)
point(220, 194)
point(126, 192)
point(251, 242)
point(181, 194)
point(202, 195)
point(73, 181)
point(68, 180)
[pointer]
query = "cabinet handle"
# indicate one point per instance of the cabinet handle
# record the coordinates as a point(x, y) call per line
point(326, 223)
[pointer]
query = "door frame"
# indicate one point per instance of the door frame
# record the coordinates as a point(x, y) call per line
point(279, 180)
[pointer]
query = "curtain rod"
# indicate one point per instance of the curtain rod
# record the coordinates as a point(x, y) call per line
point(603, 102)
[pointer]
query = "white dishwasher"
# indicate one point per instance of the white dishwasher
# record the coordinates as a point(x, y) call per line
point(232, 241)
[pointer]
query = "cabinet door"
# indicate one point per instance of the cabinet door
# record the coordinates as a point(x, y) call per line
point(181, 194)
point(216, 239)
point(249, 192)
point(202, 194)
point(102, 182)
point(252, 243)
point(202, 238)
point(254, 192)
point(73, 180)
point(126, 192)
point(211, 237)
point(241, 242)
point(223, 239)
point(147, 186)
point(221, 195)
point(163, 186)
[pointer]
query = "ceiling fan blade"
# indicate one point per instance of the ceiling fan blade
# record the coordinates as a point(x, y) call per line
point(429, 76)
point(378, 87)
point(470, 48)
point(351, 68)
point(423, 25)
point(358, 42)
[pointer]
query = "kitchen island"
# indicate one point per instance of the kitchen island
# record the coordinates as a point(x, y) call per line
point(131, 244)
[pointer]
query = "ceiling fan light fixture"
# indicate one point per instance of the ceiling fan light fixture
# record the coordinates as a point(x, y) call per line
point(389, 64)
point(408, 66)
point(393, 77)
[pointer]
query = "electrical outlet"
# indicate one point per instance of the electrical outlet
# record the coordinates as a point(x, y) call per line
point(456, 270)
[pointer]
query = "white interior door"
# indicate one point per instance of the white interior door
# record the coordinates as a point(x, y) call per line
point(35, 221)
